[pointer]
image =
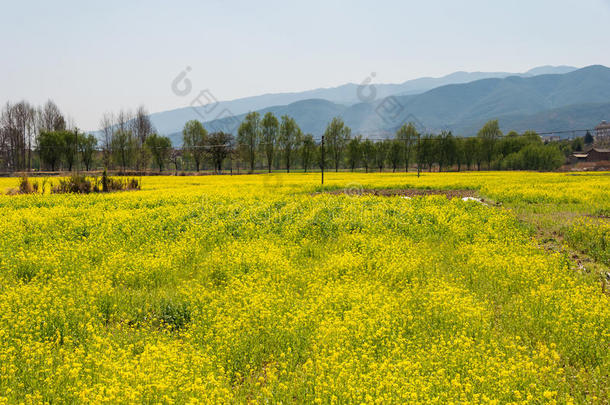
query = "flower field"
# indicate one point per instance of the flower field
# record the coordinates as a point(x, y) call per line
point(264, 288)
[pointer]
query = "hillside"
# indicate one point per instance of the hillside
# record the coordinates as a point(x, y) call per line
point(545, 103)
point(168, 122)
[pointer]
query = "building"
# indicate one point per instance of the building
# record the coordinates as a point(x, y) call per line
point(551, 138)
point(602, 134)
point(598, 155)
point(592, 155)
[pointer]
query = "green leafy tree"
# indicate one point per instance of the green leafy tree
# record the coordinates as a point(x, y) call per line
point(539, 157)
point(337, 135)
point(308, 150)
point(489, 135)
point(428, 149)
point(354, 152)
point(577, 144)
point(270, 128)
point(511, 143)
point(407, 135)
point(194, 138)
point(459, 152)
point(420, 153)
point(446, 150)
point(50, 145)
point(220, 147)
point(368, 154)
point(86, 147)
point(532, 137)
point(381, 153)
point(160, 148)
point(248, 137)
point(123, 147)
point(471, 151)
point(588, 139)
point(395, 153)
point(288, 139)
point(69, 147)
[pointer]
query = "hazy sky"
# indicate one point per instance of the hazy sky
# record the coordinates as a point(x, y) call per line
point(92, 57)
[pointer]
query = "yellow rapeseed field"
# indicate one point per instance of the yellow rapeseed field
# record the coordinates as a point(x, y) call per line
point(259, 288)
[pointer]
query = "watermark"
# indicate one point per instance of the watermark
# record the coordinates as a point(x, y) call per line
point(391, 111)
point(204, 104)
point(353, 190)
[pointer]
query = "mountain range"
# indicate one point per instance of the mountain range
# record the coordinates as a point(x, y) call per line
point(544, 99)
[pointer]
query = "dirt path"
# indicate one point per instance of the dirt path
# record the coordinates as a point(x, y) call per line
point(405, 192)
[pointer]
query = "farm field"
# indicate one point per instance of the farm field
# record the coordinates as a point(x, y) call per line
point(266, 288)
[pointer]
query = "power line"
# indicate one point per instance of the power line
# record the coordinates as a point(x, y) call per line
point(427, 137)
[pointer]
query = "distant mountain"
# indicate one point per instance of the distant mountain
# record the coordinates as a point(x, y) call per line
point(453, 105)
point(312, 114)
point(579, 116)
point(549, 70)
point(168, 122)
point(548, 102)
point(571, 117)
point(424, 84)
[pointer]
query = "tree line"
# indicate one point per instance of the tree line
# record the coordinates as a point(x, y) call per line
point(269, 142)
point(42, 138)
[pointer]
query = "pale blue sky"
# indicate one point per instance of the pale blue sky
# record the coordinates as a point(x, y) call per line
point(92, 57)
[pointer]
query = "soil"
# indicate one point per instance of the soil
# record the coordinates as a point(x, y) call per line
point(406, 192)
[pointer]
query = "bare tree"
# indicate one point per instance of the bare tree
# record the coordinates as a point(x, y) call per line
point(4, 152)
point(106, 128)
point(142, 128)
point(175, 156)
point(122, 119)
point(50, 118)
point(9, 130)
point(17, 123)
point(123, 148)
point(123, 143)
point(30, 133)
point(20, 114)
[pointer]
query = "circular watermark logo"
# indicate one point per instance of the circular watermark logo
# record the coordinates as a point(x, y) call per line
point(353, 190)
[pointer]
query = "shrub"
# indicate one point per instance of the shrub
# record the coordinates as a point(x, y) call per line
point(533, 157)
point(25, 186)
point(80, 184)
point(105, 181)
point(76, 183)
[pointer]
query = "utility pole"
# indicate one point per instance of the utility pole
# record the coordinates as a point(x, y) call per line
point(322, 163)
